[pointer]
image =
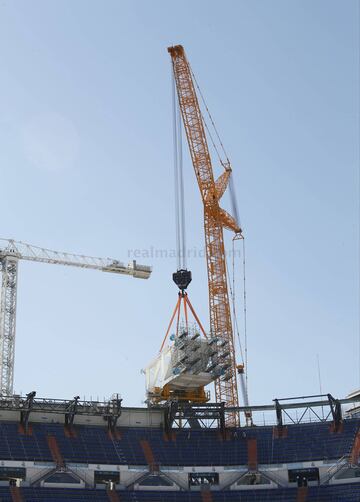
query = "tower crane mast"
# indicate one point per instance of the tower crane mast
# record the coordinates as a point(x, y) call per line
point(10, 253)
point(215, 220)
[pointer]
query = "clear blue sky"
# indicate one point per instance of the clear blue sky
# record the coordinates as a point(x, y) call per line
point(86, 166)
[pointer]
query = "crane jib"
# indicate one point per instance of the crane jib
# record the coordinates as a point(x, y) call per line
point(215, 220)
point(11, 252)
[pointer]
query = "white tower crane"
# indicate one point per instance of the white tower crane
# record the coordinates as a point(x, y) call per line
point(10, 253)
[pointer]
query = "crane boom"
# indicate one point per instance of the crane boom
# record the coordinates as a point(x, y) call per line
point(215, 219)
point(10, 253)
point(24, 251)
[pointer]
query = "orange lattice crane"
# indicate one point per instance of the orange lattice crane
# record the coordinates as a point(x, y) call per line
point(215, 220)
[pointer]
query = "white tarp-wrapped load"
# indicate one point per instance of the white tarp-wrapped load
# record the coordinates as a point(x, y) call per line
point(189, 363)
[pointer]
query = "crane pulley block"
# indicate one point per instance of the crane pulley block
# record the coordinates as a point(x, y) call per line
point(182, 278)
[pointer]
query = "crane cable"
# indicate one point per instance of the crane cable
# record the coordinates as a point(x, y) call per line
point(235, 214)
point(235, 319)
point(226, 164)
point(178, 181)
point(212, 122)
point(176, 175)
point(245, 315)
point(232, 296)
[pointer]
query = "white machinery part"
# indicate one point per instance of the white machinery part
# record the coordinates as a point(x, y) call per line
point(189, 363)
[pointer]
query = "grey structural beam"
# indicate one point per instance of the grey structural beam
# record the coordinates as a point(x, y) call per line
point(26, 410)
point(71, 410)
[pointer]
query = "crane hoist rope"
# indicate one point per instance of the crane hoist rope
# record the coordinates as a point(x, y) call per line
point(178, 183)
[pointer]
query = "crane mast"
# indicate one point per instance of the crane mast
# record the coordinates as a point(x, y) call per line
point(9, 273)
point(215, 219)
point(10, 253)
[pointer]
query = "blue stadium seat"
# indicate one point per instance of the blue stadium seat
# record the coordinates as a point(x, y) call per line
point(331, 493)
point(312, 441)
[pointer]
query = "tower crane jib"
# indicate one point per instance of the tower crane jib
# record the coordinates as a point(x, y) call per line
point(10, 253)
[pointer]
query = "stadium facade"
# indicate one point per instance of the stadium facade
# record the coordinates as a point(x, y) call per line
point(76, 450)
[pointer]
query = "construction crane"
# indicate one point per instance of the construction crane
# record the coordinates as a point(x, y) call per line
point(10, 253)
point(215, 220)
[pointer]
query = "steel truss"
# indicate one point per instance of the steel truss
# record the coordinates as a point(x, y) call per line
point(182, 415)
point(177, 414)
point(9, 272)
point(195, 416)
point(110, 410)
point(333, 404)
